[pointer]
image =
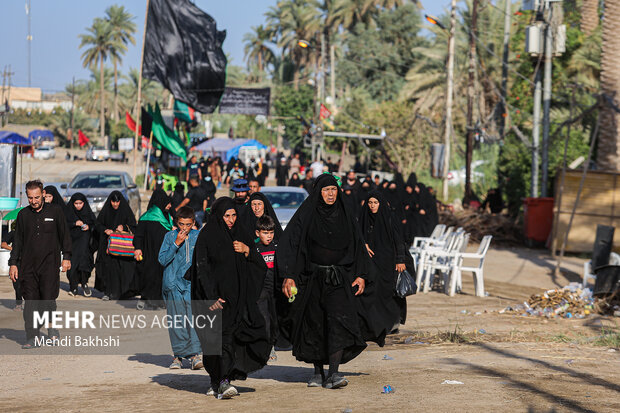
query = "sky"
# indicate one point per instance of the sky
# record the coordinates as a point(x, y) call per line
point(56, 25)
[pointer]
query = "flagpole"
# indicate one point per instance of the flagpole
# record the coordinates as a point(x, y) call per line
point(139, 105)
point(148, 159)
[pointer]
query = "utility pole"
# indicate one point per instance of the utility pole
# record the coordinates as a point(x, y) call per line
point(332, 62)
point(553, 21)
point(536, 134)
point(29, 40)
point(505, 56)
point(469, 143)
point(72, 110)
point(449, 96)
point(2, 98)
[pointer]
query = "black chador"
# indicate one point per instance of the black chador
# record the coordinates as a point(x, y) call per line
point(383, 237)
point(323, 252)
point(81, 225)
point(430, 218)
point(152, 228)
point(56, 198)
point(114, 275)
point(220, 272)
point(249, 218)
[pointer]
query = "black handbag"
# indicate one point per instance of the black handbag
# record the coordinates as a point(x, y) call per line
point(405, 285)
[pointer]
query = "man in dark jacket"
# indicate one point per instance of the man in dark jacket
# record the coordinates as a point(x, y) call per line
point(41, 234)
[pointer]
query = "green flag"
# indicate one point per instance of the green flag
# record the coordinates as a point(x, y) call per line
point(183, 112)
point(166, 136)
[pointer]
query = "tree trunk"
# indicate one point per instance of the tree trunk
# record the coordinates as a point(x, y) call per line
point(608, 148)
point(589, 16)
point(115, 113)
point(102, 112)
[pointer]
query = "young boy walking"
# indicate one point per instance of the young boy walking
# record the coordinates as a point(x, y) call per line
point(176, 255)
point(266, 247)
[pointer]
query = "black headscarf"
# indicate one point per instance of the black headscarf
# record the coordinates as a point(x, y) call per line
point(412, 181)
point(249, 219)
point(379, 229)
point(393, 198)
point(160, 199)
point(57, 200)
point(111, 218)
point(85, 215)
point(328, 221)
point(429, 204)
point(295, 181)
point(330, 226)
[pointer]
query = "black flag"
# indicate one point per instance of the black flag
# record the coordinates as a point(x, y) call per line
point(147, 121)
point(183, 51)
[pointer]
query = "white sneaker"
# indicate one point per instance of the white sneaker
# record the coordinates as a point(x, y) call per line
point(210, 392)
point(227, 390)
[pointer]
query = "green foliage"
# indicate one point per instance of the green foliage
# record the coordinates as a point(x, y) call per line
point(290, 103)
point(377, 58)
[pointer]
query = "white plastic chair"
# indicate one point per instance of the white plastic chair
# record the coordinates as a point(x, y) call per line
point(429, 258)
point(420, 243)
point(477, 271)
point(443, 260)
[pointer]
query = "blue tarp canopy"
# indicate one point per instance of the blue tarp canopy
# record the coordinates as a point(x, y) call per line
point(41, 134)
point(218, 147)
point(226, 148)
point(249, 142)
point(14, 138)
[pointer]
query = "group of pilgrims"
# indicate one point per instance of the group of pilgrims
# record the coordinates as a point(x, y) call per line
point(323, 287)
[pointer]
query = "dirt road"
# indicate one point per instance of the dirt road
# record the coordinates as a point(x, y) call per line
point(517, 364)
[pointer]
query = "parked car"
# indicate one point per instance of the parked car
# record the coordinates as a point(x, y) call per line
point(457, 176)
point(97, 186)
point(119, 157)
point(97, 153)
point(44, 152)
point(285, 201)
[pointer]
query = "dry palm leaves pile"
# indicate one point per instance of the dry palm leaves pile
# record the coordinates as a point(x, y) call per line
point(504, 229)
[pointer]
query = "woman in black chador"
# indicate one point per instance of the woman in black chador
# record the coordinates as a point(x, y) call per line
point(81, 220)
point(228, 268)
point(322, 255)
point(152, 228)
point(388, 256)
point(114, 274)
point(259, 206)
point(52, 196)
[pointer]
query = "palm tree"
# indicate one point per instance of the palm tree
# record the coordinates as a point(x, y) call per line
point(297, 22)
point(257, 50)
point(589, 16)
point(100, 43)
point(89, 92)
point(609, 146)
point(122, 32)
point(351, 12)
point(151, 91)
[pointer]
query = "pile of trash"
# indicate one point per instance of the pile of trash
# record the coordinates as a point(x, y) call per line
point(572, 301)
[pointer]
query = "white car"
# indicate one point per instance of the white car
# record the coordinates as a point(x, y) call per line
point(457, 176)
point(44, 152)
point(285, 200)
point(96, 153)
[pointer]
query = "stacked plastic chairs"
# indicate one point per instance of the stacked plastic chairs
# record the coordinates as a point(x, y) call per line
point(444, 254)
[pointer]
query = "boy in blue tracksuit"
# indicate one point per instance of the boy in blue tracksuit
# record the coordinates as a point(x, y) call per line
point(176, 256)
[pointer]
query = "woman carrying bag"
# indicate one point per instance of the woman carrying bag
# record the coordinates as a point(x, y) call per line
point(114, 273)
point(388, 257)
